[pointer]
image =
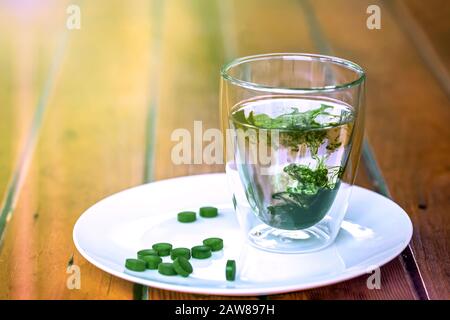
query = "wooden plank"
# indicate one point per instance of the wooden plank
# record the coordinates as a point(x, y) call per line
point(189, 84)
point(265, 26)
point(191, 56)
point(427, 27)
point(91, 145)
point(7, 143)
point(407, 120)
point(433, 18)
point(26, 49)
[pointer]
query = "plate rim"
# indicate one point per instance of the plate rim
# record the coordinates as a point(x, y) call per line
point(271, 290)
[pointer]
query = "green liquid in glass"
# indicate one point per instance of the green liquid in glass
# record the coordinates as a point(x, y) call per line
point(307, 141)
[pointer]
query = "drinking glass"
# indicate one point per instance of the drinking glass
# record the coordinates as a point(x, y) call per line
point(294, 126)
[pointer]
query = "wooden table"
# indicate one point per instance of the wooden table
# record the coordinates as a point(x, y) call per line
point(86, 113)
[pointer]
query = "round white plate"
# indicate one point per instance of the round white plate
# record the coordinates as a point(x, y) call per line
point(375, 231)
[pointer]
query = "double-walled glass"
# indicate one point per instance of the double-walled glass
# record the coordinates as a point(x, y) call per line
point(294, 127)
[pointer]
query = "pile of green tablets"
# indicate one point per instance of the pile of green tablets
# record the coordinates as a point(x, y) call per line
point(152, 258)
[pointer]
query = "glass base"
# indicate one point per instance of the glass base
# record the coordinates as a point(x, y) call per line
point(289, 241)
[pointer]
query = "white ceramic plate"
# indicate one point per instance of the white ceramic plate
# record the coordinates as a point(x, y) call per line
point(375, 231)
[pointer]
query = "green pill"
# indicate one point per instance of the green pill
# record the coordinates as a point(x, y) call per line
point(146, 252)
point(163, 248)
point(166, 269)
point(201, 252)
point(182, 267)
point(135, 265)
point(187, 216)
point(230, 270)
point(215, 244)
point(152, 262)
point(208, 212)
point(180, 252)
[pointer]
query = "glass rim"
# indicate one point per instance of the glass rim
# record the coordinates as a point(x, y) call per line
point(224, 71)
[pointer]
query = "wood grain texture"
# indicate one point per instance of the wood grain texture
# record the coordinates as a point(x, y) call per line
point(91, 145)
point(407, 119)
point(26, 50)
point(432, 17)
point(430, 39)
point(132, 75)
point(191, 56)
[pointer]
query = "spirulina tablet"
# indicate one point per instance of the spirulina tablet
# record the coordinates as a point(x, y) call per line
point(182, 266)
point(230, 270)
point(146, 252)
point(201, 252)
point(152, 262)
point(215, 244)
point(163, 248)
point(166, 269)
point(208, 212)
point(135, 264)
point(187, 216)
point(180, 252)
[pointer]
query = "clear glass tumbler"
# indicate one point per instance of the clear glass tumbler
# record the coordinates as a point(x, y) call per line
point(294, 126)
